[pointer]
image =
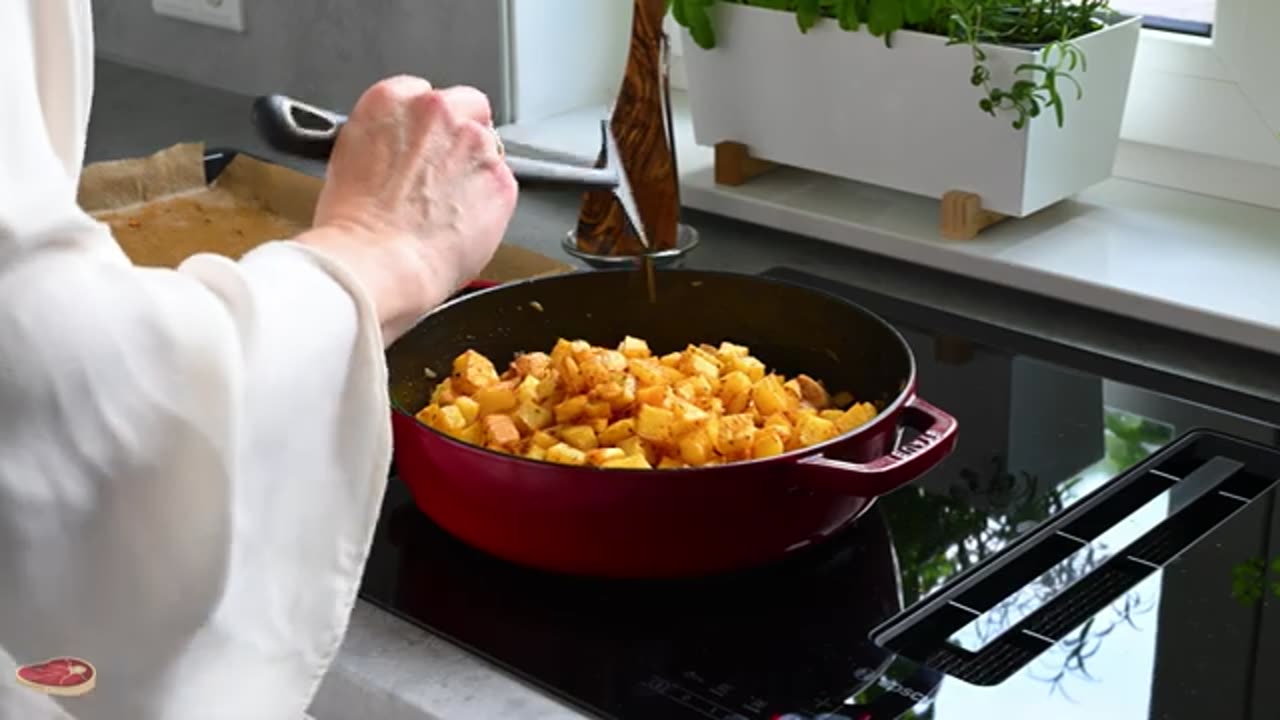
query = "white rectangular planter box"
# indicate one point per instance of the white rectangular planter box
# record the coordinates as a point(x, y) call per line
point(904, 117)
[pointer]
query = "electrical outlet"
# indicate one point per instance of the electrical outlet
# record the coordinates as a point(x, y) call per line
point(226, 14)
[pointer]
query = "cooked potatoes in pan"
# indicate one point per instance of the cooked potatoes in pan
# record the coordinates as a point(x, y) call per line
point(627, 408)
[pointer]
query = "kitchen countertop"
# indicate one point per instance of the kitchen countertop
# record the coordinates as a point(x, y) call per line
point(389, 669)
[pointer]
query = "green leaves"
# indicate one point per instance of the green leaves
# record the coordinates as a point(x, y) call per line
point(847, 14)
point(1049, 24)
point(1249, 580)
point(918, 11)
point(807, 13)
point(693, 15)
point(884, 16)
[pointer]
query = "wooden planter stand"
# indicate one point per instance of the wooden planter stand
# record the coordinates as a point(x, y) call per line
point(960, 217)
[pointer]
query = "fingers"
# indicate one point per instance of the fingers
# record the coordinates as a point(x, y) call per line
point(468, 103)
point(475, 135)
point(387, 95)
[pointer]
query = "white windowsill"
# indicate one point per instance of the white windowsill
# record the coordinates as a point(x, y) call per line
point(1165, 256)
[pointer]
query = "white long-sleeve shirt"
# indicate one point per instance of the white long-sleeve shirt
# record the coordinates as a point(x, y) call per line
point(191, 461)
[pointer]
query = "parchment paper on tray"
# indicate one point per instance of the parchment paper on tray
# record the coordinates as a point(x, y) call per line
point(162, 211)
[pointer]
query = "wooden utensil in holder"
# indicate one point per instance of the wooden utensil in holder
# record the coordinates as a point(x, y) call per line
point(641, 124)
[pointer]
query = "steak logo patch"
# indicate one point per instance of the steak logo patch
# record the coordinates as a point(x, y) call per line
point(62, 676)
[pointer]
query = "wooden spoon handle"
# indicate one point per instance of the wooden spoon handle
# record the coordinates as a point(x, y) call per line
point(639, 124)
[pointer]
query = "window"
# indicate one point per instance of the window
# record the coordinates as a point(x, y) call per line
point(1202, 112)
point(1204, 109)
point(1193, 17)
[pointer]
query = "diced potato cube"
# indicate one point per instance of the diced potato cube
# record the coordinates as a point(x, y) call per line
point(549, 387)
point(629, 462)
point(811, 429)
point(571, 409)
point(842, 399)
point(735, 382)
point(582, 437)
point(812, 392)
point(855, 416)
point(751, 367)
point(799, 414)
point(597, 424)
point(543, 439)
point(671, 375)
point(619, 394)
point(670, 463)
point(696, 363)
point(536, 453)
point(473, 433)
point(738, 404)
point(561, 350)
point(634, 347)
point(654, 424)
point(767, 443)
point(634, 445)
point(735, 391)
point(570, 375)
point(687, 417)
point(655, 395)
point(531, 416)
point(730, 350)
point(671, 360)
point(694, 388)
point(534, 364)
point(706, 352)
point(780, 424)
point(768, 396)
point(472, 371)
point(566, 455)
point(527, 390)
point(618, 431)
point(735, 436)
point(792, 387)
point(428, 415)
point(598, 409)
point(500, 430)
point(647, 371)
point(600, 456)
point(469, 408)
point(607, 390)
point(832, 415)
point(613, 360)
point(594, 372)
point(443, 394)
point(448, 419)
point(497, 398)
point(695, 448)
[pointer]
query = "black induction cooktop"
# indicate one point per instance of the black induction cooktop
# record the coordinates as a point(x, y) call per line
point(1099, 545)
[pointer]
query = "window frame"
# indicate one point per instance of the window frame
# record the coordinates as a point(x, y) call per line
point(1212, 85)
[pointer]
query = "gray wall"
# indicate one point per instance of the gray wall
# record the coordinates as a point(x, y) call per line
point(323, 51)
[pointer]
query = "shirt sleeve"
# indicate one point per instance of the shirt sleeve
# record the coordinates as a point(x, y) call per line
point(191, 461)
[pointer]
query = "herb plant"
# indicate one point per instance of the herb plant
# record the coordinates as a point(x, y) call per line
point(1048, 26)
point(1249, 581)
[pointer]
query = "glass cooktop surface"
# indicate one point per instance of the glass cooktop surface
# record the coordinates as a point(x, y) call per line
point(955, 597)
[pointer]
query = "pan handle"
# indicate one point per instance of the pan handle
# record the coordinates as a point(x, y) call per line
point(297, 128)
point(937, 438)
point(534, 174)
point(294, 127)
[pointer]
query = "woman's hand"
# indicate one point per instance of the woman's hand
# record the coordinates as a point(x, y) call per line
point(417, 196)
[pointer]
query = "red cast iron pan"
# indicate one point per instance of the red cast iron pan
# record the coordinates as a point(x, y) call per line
point(663, 523)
